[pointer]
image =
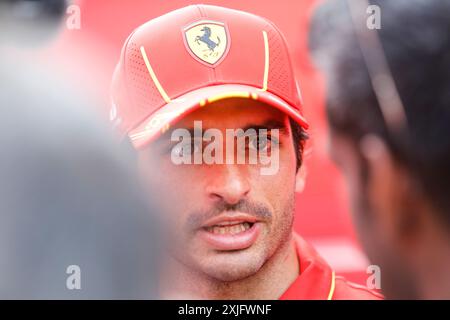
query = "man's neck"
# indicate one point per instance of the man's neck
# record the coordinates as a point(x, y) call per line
point(270, 282)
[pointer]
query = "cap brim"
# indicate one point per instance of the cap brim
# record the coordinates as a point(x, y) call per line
point(160, 121)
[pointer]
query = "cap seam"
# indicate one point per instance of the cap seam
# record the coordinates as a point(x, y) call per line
point(125, 67)
point(212, 70)
point(288, 56)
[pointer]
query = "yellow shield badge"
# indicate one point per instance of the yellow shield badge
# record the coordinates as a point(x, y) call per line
point(207, 41)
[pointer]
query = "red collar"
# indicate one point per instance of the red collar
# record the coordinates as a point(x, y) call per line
point(316, 280)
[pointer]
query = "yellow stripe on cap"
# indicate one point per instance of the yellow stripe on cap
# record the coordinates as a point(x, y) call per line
point(266, 61)
point(236, 94)
point(153, 75)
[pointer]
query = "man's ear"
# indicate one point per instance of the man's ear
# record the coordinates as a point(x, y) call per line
point(390, 191)
point(300, 179)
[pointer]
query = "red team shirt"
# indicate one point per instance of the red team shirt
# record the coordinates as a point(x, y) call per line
point(317, 281)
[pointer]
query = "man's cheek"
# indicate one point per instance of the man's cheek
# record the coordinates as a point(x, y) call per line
point(176, 234)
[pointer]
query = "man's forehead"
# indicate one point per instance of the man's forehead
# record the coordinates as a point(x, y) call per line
point(233, 113)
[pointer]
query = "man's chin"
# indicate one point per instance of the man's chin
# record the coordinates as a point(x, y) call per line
point(231, 266)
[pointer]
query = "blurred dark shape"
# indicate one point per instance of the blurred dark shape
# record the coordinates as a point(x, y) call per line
point(30, 22)
point(415, 36)
point(69, 195)
point(399, 179)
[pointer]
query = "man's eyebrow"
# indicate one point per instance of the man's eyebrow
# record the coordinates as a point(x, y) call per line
point(268, 125)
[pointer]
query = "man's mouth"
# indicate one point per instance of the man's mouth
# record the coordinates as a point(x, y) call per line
point(230, 232)
point(229, 227)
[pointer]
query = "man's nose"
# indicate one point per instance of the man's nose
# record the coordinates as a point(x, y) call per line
point(228, 183)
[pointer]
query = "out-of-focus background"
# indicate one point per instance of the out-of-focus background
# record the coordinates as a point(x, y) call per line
point(87, 53)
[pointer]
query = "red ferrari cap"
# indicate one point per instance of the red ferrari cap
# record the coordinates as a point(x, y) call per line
point(196, 55)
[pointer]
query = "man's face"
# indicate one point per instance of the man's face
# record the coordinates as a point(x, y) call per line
point(226, 220)
point(370, 193)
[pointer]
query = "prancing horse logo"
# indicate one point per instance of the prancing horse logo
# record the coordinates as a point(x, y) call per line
point(207, 41)
point(206, 38)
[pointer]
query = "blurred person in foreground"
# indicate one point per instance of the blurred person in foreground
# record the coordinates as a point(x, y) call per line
point(73, 221)
point(28, 23)
point(68, 197)
point(203, 71)
point(388, 105)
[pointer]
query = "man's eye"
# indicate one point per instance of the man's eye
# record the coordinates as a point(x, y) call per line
point(261, 142)
point(186, 149)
